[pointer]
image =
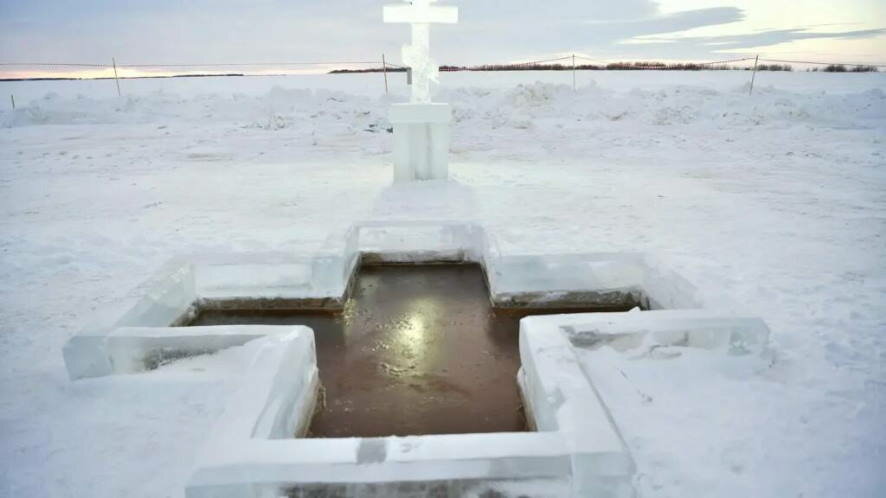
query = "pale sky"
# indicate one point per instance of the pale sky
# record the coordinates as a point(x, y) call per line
point(490, 31)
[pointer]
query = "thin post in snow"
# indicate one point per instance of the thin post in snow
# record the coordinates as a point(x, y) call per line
point(384, 69)
point(573, 72)
point(754, 75)
point(12, 98)
point(116, 79)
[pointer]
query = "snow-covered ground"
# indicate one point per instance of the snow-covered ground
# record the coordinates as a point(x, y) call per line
point(773, 205)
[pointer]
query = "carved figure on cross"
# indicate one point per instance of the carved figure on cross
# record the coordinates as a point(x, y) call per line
point(421, 14)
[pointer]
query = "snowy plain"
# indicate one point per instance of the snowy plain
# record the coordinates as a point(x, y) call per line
point(772, 205)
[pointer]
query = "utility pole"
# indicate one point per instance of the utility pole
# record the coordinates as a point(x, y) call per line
point(573, 72)
point(754, 76)
point(384, 66)
point(116, 79)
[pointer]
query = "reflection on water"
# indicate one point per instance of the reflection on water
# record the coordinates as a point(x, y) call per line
point(416, 350)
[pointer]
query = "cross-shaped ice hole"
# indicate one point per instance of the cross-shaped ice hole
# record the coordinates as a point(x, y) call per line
point(416, 350)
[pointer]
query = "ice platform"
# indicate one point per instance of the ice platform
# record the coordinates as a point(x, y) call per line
point(421, 141)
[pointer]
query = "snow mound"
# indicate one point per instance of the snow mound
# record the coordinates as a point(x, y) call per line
point(520, 107)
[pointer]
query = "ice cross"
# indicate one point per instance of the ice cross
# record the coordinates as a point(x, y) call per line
point(417, 56)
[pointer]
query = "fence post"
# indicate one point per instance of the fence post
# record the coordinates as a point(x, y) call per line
point(384, 66)
point(12, 98)
point(573, 72)
point(754, 75)
point(116, 79)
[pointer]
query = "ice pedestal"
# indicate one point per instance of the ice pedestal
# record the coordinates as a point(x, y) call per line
point(421, 129)
point(421, 141)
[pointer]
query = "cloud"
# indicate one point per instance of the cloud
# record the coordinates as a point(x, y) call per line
point(509, 11)
point(773, 37)
point(214, 31)
point(567, 26)
point(695, 46)
point(250, 30)
point(679, 21)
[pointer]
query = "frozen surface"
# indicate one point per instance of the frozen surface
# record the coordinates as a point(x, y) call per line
point(771, 205)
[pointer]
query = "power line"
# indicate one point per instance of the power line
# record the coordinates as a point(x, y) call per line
point(241, 64)
point(529, 63)
point(542, 61)
point(59, 64)
point(588, 59)
point(726, 62)
point(226, 64)
point(699, 63)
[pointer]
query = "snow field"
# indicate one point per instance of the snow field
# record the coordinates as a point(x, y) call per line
point(772, 205)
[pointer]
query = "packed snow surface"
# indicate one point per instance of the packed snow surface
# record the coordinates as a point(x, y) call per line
point(772, 205)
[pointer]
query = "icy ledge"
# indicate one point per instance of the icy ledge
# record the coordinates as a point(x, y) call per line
point(146, 329)
point(254, 450)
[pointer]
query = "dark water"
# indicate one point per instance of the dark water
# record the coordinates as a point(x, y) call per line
point(417, 350)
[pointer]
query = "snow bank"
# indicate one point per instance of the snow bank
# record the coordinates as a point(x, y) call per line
point(475, 108)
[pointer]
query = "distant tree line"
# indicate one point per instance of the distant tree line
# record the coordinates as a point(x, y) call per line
point(613, 66)
point(619, 66)
point(841, 68)
point(774, 67)
point(369, 70)
point(626, 66)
